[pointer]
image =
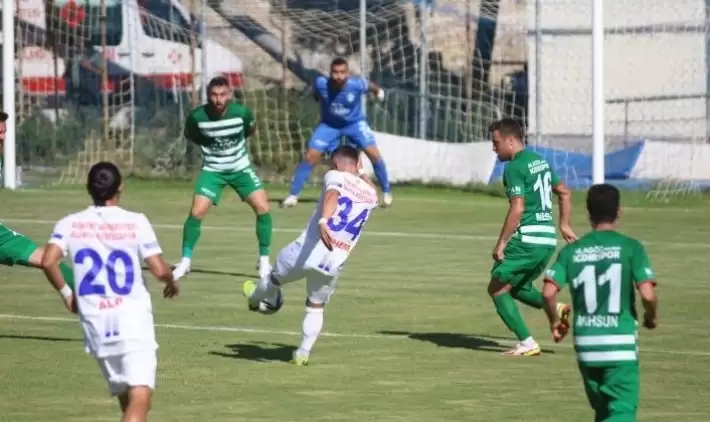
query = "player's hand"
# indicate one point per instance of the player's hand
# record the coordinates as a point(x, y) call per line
point(568, 234)
point(559, 331)
point(325, 236)
point(498, 253)
point(650, 321)
point(70, 304)
point(171, 290)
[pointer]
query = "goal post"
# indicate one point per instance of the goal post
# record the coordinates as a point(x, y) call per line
point(8, 102)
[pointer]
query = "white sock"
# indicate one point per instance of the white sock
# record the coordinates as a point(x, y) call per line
point(185, 261)
point(312, 325)
point(529, 342)
point(265, 288)
point(264, 262)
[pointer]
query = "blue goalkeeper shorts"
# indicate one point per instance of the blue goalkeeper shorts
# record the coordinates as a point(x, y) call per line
point(326, 139)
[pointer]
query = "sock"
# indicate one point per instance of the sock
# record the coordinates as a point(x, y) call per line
point(510, 314)
point(268, 286)
point(312, 325)
point(529, 342)
point(381, 174)
point(190, 235)
point(264, 227)
point(300, 176)
point(531, 297)
point(68, 275)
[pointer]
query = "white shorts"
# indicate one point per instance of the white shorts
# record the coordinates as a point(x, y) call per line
point(290, 267)
point(130, 370)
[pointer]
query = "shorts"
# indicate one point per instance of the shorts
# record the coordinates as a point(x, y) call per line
point(522, 264)
point(613, 391)
point(210, 184)
point(132, 369)
point(326, 139)
point(15, 248)
point(290, 267)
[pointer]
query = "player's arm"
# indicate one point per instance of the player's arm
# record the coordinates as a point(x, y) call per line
point(645, 281)
point(54, 251)
point(191, 131)
point(555, 279)
point(152, 255)
point(249, 122)
point(564, 202)
point(515, 183)
point(374, 89)
point(332, 186)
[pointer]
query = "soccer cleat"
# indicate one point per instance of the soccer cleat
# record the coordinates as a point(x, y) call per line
point(248, 289)
point(299, 359)
point(563, 313)
point(387, 199)
point(289, 202)
point(521, 350)
point(181, 269)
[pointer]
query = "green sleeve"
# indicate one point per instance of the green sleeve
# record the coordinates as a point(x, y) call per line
point(248, 119)
point(554, 179)
point(514, 181)
point(558, 273)
point(191, 131)
point(641, 265)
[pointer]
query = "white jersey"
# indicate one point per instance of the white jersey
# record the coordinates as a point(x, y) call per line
point(356, 202)
point(107, 246)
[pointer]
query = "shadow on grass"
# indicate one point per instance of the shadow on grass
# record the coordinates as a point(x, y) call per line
point(37, 338)
point(258, 352)
point(459, 341)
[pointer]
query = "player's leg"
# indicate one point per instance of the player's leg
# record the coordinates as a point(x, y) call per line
point(208, 191)
point(16, 248)
point(288, 268)
point(249, 187)
point(324, 138)
point(362, 135)
point(621, 390)
point(320, 288)
point(137, 374)
point(592, 379)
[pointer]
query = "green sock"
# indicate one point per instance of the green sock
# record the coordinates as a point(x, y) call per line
point(510, 314)
point(530, 296)
point(264, 226)
point(190, 235)
point(68, 274)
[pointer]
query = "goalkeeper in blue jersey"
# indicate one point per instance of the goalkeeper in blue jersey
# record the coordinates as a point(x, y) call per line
point(341, 115)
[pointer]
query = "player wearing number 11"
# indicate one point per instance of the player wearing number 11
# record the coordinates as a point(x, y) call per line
point(527, 240)
point(107, 246)
point(603, 269)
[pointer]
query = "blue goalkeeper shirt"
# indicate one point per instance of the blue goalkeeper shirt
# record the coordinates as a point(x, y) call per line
point(341, 107)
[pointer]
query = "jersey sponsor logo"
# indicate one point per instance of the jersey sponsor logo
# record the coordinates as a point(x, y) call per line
point(649, 272)
point(550, 273)
point(537, 166)
point(516, 190)
point(150, 245)
point(596, 253)
point(57, 236)
point(596, 321)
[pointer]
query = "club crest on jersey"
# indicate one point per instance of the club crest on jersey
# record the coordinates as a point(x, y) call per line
point(350, 97)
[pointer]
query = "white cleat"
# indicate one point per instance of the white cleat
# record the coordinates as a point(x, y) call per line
point(289, 202)
point(387, 199)
point(181, 269)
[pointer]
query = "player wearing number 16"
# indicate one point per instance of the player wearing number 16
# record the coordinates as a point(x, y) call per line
point(107, 246)
point(527, 240)
point(603, 269)
point(320, 252)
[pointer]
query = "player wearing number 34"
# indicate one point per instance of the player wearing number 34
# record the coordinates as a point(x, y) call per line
point(107, 245)
point(527, 239)
point(319, 253)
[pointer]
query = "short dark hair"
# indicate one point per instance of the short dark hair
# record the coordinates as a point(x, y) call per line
point(3, 117)
point(338, 61)
point(217, 81)
point(508, 126)
point(103, 182)
point(603, 203)
point(346, 151)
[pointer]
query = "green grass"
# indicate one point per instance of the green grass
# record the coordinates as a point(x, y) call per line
point(411, 334)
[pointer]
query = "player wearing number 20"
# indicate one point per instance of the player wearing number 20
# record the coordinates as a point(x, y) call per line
point(320, 252)
point(107, 245)
point(603, 269)
point(527, 240)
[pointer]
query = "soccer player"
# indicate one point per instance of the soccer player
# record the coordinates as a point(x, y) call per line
point(221, 128)
point(319, 253)
point(602, 269)
point(527, 240)
point(15, 248)
point(340, 98)
point(107, 245)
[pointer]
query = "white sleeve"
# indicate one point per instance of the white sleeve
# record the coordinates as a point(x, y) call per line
point(60, 235)
point(333, 180)
point(147, 240)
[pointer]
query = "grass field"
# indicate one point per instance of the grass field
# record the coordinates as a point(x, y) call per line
point(411, 334)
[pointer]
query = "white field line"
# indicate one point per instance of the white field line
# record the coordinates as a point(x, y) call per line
point(404, 235)
point(324, 334)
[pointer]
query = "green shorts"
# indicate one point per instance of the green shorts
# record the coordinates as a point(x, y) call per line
point(613, 391)
point(522, 264)
point(210, 184)
point(15, 248)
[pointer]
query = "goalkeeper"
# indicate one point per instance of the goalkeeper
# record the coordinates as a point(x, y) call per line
point(16, 248)
point(221, 128)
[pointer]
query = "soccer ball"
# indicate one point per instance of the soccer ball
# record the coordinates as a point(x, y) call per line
point(270, 306)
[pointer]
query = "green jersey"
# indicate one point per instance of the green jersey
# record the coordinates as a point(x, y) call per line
point(221, 138)
point(602, 269)
point(529, 176)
